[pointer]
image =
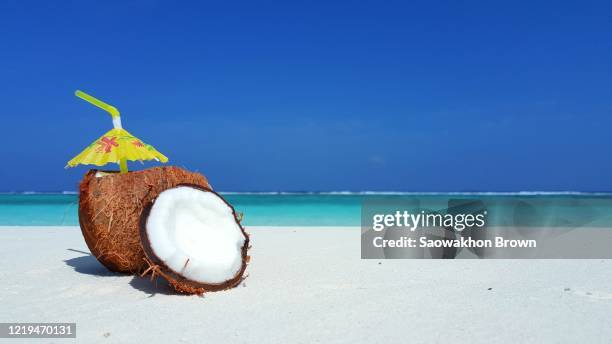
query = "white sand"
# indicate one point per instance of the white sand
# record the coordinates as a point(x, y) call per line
point(308, 285)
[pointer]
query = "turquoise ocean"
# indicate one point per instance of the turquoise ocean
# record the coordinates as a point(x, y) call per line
point(341, 208)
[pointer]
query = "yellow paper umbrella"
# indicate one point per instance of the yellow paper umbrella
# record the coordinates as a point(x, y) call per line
point(117, 145)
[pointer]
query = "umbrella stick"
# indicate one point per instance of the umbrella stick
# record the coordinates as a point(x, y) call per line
point(123, 165)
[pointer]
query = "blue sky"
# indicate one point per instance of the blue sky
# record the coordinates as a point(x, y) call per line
point(269, 96)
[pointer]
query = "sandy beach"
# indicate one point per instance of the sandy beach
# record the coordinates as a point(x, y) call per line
point(307, 285)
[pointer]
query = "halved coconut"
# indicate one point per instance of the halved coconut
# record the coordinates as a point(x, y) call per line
point(193, 238)
point(110, 206)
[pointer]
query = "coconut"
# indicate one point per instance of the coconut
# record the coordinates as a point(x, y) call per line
point(193, 238)
point(110, 206)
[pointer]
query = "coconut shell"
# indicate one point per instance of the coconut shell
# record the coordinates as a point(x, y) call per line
point(110, 207)
point(156, 267)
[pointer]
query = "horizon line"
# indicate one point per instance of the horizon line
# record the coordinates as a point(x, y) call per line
point(346, 192)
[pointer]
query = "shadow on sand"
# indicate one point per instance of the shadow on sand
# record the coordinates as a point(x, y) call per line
point(89, 265)
point(157, 286)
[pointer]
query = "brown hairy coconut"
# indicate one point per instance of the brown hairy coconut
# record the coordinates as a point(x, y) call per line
point(193, 238)
point(110, 206)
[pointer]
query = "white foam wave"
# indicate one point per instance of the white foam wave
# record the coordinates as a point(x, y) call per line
point(414, 193)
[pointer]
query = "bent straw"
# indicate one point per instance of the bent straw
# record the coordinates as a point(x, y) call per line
point(97, 102)
point(114, 114)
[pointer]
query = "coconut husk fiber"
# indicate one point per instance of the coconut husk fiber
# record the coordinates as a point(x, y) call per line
point(110, 206)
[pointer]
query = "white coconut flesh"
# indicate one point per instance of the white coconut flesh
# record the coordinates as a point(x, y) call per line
point(195, 234)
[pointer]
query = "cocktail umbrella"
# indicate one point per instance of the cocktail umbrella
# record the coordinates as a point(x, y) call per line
point(116, 146)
